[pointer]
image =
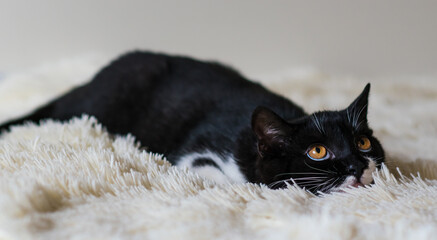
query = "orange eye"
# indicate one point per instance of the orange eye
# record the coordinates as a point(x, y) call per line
point(364, 144)
point(317, 153)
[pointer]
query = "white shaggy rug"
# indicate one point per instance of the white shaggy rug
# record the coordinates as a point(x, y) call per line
point(73, 181)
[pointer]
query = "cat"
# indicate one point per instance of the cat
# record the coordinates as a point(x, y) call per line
point(211, 119)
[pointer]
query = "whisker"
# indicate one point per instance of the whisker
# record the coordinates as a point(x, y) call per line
point(298, 180)
point(313, 187)
point(310, 181)
point(359, 124)
point(322, 186)
point(300, 173)
point(316, 122)
point(357, 116)
point(324, 183)
point(348, 115)
point(331, 185)
point(379, 159)
point(306, 185)
point(308, 178)
point(326, 171)
point(309, 187)
point(388, 164)
point(273, 184)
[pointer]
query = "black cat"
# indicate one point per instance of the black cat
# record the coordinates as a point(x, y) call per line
point(208, 117)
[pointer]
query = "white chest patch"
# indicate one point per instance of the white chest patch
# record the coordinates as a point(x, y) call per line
point(227, 171)
point(367, 177)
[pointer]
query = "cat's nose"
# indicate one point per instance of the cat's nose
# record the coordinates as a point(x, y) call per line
point(355, 170)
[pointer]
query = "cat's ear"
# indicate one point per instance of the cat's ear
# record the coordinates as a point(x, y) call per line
point(357, 111)
point(270, 129)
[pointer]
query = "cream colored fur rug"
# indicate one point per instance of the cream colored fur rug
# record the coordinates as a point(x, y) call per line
point(74, 181)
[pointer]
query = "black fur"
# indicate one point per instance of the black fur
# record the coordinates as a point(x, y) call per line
point(176, 105)
point(200, 162)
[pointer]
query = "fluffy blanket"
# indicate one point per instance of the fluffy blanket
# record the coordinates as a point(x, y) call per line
point(74, 181)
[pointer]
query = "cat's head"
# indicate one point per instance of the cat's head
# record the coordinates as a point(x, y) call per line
point(324, 151)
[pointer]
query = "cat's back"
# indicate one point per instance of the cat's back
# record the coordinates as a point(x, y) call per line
point(183, 98)
point(179, 98)
point(188, 98)
point(178, 80)
point(166, 100)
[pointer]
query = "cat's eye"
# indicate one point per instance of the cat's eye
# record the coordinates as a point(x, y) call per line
point(318, 153)
point(364, 144)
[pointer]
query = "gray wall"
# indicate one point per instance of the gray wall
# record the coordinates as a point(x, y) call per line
point(373, 37)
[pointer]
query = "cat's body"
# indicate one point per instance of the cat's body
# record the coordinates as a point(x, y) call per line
point(201, 115)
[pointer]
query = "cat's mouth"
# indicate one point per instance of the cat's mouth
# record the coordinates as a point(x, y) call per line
point(349, 182)
point(357, 184)
point(365, 179)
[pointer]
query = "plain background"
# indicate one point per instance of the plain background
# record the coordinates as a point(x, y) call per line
point(364, 38)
